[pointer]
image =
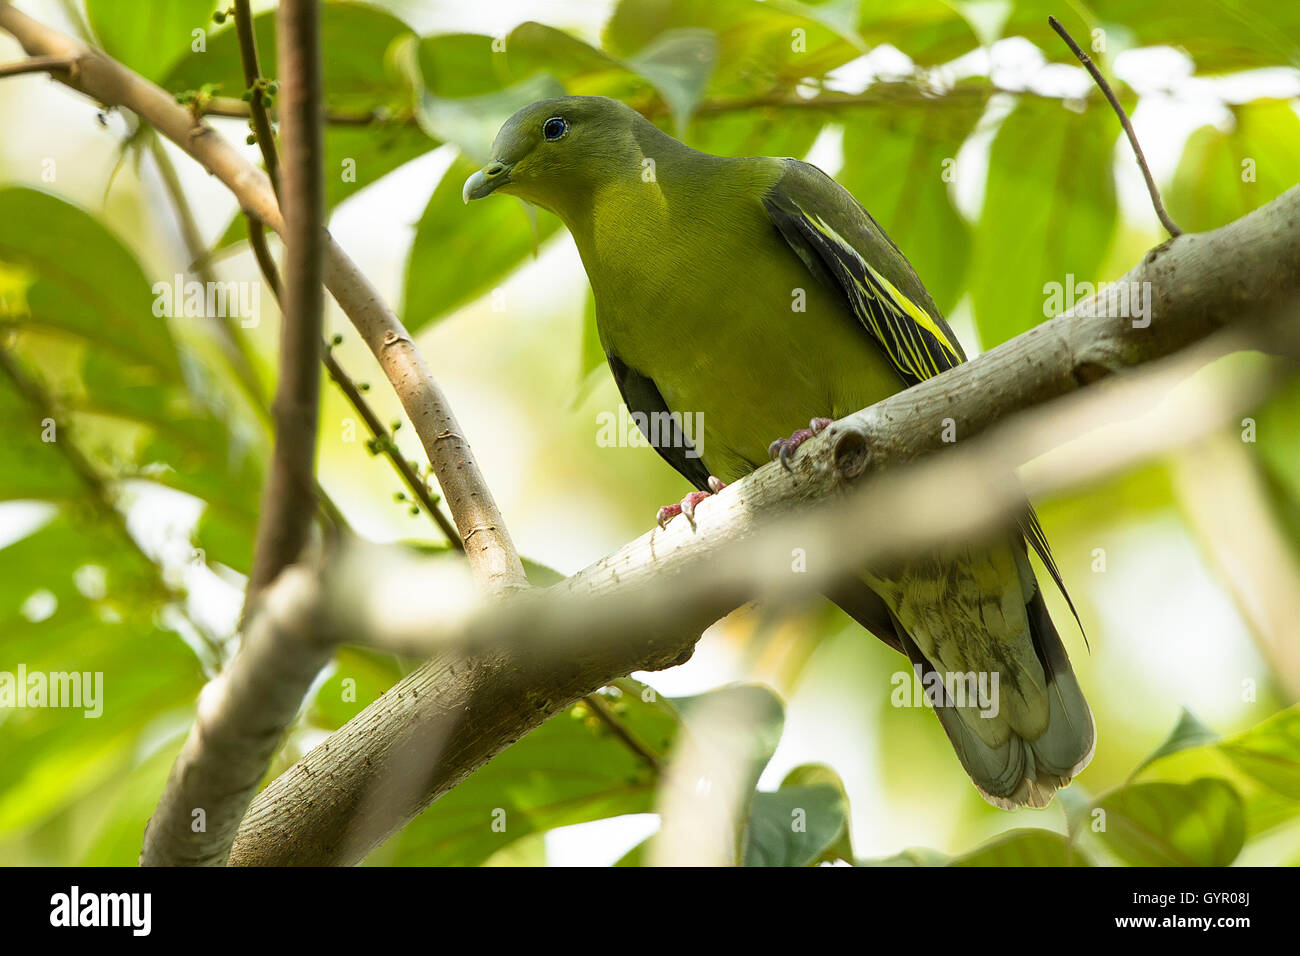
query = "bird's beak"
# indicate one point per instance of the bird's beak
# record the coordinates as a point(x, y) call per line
point(487, 180)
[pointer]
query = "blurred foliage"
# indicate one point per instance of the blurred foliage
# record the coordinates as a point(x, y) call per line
point(108, 408)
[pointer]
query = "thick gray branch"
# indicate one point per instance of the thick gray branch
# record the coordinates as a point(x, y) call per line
point(239, 725)
point(454, 713)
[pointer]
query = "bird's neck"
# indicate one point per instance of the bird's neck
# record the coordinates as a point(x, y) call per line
point(630, 211)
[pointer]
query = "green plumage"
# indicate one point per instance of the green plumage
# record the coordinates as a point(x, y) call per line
point(758, 293)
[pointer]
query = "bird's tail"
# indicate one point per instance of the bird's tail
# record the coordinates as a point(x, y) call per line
point(1023, 769)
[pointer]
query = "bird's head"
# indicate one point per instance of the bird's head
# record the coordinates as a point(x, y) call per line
point(554, 153)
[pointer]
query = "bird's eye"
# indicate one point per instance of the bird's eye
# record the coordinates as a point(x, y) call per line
point(554, 128)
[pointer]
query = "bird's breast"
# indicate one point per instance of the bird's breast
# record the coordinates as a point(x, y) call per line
point(733, 330)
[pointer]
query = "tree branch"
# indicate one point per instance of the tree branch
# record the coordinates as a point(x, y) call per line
point(284, 524)
point(452, 714)
point(506, 668)
point(379, 433)
point(1111, 98)
point(256, 89)
point(238, 728)
point(37, 64)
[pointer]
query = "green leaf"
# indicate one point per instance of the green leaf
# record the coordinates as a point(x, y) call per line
point(355, 157)
point(54, 756)
point(637, 856)
point(360, 677)
point(1224, 175)
point(765, 130)
point(929, 31)
point(460, 65)
point(357, 74)
point(806, 820)
point(678, 63)
point(1279, 460)
point(472, 122)
point(793, 826)
point(440, 275)
point(1270, 752)
point(1049, 212)
point(1024, 847)
point(572, 769)
point(1201, 823)
point(758, 48)
point(359, 79)
point(84, 280)
point(1219, 35)
point(913, 856)
point(466, 65)
point(1187, 733)
point(31, 467)
point(760, 711)
point(898, 163)
point(147, 36)
point(535, 48)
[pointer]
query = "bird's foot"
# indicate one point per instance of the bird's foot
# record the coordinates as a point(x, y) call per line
point(687, 505)
point(783, 448)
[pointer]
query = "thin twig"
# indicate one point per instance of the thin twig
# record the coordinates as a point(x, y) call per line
point(381, 435)
point(256, 87)
point(37, 64)
point(879, 94)
point(620, 730)
point(385, 443)
point(1091, 67)
point(262, 253)
point(284, 523)
point(255, 83)
point(228, 106)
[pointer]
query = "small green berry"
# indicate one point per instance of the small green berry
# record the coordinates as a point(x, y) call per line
point(336, 340)
point(250, 139)
point(219, 16)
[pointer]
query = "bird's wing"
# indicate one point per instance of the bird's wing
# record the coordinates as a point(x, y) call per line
point(842, 246)
point(640, 394)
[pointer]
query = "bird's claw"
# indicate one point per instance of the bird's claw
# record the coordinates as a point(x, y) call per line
point(687, 504)
point(783, 448)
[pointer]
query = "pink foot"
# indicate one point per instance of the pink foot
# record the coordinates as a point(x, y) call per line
point(783, 448)
point(687, 506)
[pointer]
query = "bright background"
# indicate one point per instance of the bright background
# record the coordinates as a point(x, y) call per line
point(1175, 620)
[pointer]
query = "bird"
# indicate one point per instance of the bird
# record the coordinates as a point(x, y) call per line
point(758, 294)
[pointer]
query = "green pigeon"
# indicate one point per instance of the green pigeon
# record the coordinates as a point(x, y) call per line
point(756, 296)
